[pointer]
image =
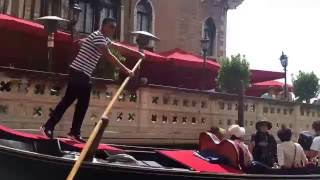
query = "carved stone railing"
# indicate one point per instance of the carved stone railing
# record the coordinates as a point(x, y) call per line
point(154, 115)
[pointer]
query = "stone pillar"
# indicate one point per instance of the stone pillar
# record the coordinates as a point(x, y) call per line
point(122, 21)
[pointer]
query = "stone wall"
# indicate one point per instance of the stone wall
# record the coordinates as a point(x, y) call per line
point(154, 115)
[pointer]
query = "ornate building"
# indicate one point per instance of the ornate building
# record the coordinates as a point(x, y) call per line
point(178, 23)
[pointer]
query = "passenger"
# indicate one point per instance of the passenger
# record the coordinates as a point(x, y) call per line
point(218, 132)
point(314, 152)
point(290, 154)
point(263, 144)
point(237, 133)
point(270, 94)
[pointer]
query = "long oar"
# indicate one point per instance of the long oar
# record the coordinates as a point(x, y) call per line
point(96, 135)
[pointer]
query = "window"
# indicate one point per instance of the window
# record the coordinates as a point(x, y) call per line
point(4, 4)
point(31, 9)
point(209, 29)
point(109, 10)
point(85, 22)
point(144, 16)
point(64, 12)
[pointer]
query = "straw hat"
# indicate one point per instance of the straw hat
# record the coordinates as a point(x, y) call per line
point(237, 131)
point(263, 123)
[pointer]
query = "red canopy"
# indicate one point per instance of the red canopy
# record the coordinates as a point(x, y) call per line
point(262, 76)
point(258, 89)
point(186, 59)
point(16, 24)
point(132, 51)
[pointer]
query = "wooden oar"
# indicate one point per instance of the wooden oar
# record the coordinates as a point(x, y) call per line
point(96, 135)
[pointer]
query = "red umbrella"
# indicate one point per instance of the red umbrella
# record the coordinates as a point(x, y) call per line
point(262, 76)
point(258, 89)
point(185, 59)
point(11, 23)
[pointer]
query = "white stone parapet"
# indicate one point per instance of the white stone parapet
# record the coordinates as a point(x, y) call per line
point(154, 115)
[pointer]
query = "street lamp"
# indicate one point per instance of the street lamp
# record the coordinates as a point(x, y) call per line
point(284, 63)
point(74, 13)
point(51, 24)
point(205, 43)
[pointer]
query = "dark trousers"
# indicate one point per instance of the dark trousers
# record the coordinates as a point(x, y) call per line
point(79, 87)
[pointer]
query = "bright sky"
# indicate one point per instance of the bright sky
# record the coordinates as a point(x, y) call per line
point(262, 29)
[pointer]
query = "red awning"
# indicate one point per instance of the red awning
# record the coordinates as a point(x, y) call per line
point(262, 76)
point(132, 51)
point(258, 89)
point(16, 24)
point(183, 58)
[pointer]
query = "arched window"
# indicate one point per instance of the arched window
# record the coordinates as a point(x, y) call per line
point(144, 16)
point(209, 29)
point(109, 9)
point(4, 6)
point(85, 22)
point(31, 9)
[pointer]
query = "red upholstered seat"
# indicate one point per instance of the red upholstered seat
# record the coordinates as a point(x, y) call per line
point(187, 158)
point(225, 148)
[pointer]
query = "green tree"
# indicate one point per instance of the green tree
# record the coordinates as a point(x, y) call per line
point(306, 86)
point(232, 71)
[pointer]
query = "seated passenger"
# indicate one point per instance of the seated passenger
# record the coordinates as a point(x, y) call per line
point(237, 133)
point(314, 152)
point(290, 154)
point(218, 132)
point(263, 144)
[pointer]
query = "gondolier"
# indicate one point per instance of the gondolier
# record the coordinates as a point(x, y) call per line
point(95, 46)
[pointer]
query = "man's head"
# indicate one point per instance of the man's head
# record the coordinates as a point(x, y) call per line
point(263, 126)
point(284, 134)
point(316, 127)
point(271, 90)
point(108, 26)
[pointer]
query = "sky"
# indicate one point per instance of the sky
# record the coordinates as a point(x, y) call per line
point(262, 29)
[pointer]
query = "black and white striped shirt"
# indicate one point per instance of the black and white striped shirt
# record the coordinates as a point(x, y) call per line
point(89, 55)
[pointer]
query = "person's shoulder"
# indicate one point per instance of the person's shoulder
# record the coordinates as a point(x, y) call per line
point(97, 34)
point(298, 145)
point(316, 139)
point(271, 136)
point(280, 145)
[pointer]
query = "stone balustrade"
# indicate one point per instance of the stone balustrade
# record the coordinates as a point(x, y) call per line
point(153, 115)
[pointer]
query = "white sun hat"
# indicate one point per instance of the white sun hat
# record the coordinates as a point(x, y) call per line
point(236, 130)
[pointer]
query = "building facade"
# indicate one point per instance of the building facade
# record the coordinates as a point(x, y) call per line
point(178, 23)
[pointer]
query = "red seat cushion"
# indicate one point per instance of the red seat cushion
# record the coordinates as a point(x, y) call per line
point(187, 158)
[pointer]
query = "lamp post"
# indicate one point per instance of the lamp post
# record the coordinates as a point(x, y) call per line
point(204, 46)
point(74, 13)
point(284, 63)
point(51, 24)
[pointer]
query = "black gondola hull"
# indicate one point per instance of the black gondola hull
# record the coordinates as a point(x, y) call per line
point(21, 165)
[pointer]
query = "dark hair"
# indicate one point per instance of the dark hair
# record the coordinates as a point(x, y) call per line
point(108, 20)
point(316, 125)
point(284, 133)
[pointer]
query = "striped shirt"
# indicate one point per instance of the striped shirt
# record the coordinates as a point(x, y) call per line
point(89, 55)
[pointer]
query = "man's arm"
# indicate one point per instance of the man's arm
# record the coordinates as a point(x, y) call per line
point(115, 46)
point(104, 50)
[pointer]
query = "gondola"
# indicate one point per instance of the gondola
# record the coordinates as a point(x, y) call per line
point(26, 156)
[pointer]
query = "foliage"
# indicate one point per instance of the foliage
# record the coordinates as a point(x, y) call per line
point(306, 86)
point(108, 71)
point(232, 71)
